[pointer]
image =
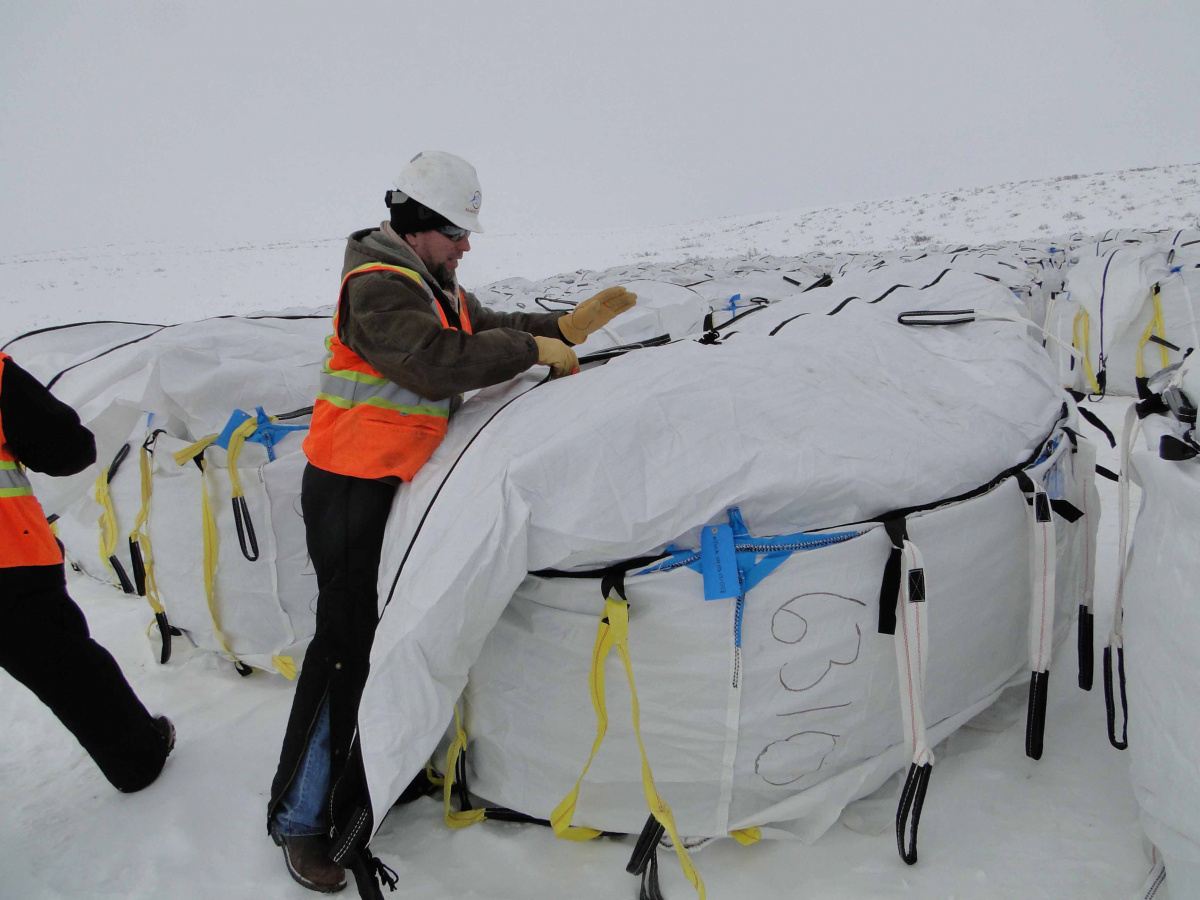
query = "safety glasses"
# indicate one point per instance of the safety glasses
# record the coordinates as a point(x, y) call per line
point(453, 232)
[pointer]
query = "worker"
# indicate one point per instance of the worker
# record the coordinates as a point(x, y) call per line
point(44, 638)
point(407, 342)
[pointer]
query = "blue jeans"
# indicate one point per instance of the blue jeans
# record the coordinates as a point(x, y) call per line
point(303, 808)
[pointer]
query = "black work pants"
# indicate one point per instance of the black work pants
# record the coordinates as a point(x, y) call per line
point(344, 520)
point(45, 644)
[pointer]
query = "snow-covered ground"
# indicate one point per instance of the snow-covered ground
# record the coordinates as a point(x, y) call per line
point(995, 824)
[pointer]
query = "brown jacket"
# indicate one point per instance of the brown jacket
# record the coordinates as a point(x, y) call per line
point(388, 320)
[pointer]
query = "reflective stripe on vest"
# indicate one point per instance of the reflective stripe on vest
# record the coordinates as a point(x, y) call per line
point(364, 424)
point(13, 482)
point(25, 537)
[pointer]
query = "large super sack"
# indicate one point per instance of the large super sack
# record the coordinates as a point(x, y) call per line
point(1129, 308)
point(1151, 661)
point(866, 481)
point(229, 556)
point(776, 707)
point(194, 500)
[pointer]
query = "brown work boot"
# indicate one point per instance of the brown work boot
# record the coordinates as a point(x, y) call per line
point(308, 862)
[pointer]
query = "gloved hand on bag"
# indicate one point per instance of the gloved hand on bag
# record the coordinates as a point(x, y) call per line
point(594, 313)
point(557, 355)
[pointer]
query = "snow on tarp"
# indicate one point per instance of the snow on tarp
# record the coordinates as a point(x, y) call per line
point(1161, 630)
point(839, 421)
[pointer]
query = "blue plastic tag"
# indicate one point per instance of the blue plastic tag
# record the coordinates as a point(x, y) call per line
point(718, 563)
point(236, 418)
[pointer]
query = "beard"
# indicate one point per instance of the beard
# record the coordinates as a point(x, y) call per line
point(444, 278)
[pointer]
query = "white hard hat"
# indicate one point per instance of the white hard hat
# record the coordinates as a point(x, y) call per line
point(445, 183)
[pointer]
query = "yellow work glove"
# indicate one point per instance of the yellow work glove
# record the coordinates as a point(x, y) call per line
point(594, 313)
point(557, 355)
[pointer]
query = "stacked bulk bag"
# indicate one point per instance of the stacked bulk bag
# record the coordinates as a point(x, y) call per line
point(229, 557)
point(1126, 310)
point(1157, 624)
point(194, 499)
point(812, 551)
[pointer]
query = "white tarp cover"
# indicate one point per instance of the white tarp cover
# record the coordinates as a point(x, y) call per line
point(192, 376)
point(672, 299)
point(1161, 634)
point(835, 419)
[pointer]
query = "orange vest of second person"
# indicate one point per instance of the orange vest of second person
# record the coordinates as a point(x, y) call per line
point(364, 425)
point(25, 537)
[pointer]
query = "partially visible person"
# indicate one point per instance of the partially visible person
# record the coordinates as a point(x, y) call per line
point(44, 638)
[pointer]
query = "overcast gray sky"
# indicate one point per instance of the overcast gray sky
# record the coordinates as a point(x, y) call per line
point(217, 121)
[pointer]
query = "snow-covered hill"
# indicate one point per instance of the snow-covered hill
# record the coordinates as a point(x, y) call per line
point(164, 282)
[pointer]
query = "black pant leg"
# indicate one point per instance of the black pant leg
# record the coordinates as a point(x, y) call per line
point(344, 520)
point(45, 644)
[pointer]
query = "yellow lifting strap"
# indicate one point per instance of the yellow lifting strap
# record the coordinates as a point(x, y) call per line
point(285, 666)
point(107, 523)
point(457, 818)
point(211, 539)
point(141, 535)
point(1156, 327)
point(614, 632)
point(1082, 344)
point(236, 441)
point(746, 836)
point(191, 451)
point(211, 551)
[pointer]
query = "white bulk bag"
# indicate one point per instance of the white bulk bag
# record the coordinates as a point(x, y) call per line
point(245, 592)
point(1161, 630)
point(840, 421)
point(1110, 290)
point(806, 717)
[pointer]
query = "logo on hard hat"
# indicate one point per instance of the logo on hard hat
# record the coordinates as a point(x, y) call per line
point(474, 202)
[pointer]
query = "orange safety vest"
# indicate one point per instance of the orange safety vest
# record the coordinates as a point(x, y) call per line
point(25, 537)
point(365, 425)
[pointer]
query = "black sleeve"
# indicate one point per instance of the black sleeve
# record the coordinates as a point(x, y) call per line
point(42, 432)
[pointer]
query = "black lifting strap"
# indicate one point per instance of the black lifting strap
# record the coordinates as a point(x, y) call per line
point(1110, 701)
point(912, 798)
point(1035, 719)
point(1174, 449)
point(241, 513)
point(650, 889)
point(647, 841)
point(889, 590)
point(613, 579)
point(1091, 417)
point(644, 860)
point(1086, 658)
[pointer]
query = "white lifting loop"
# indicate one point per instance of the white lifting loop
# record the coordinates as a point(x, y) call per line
point(911, 641)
